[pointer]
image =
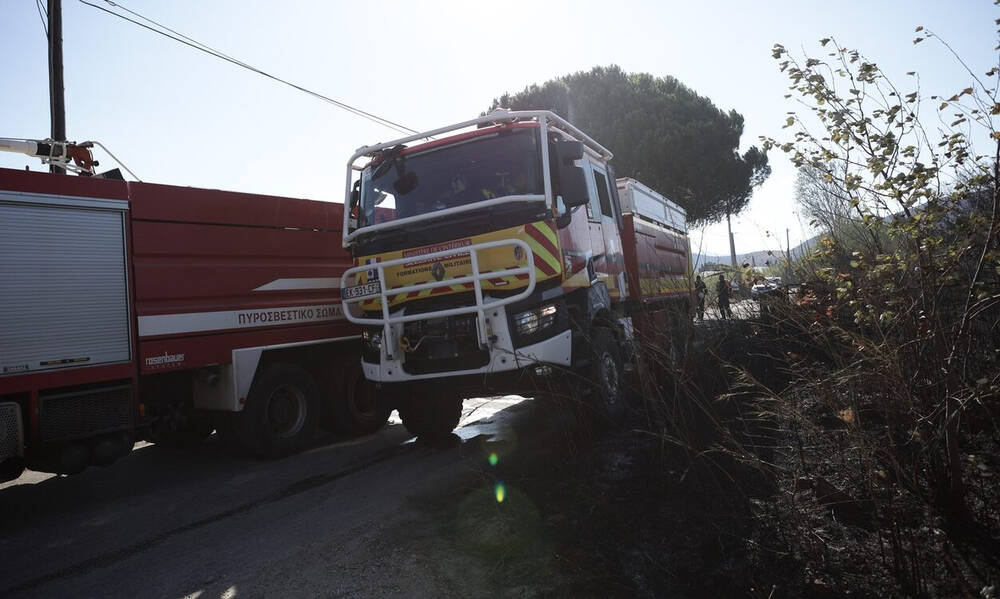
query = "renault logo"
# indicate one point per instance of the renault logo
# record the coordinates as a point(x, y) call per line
point(437, 271)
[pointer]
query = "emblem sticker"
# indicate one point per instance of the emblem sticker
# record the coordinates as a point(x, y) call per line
point(437, 271)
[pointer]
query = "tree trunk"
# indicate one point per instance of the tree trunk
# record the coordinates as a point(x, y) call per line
point(732, 243)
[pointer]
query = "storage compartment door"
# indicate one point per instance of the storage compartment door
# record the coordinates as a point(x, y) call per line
point(63, 285)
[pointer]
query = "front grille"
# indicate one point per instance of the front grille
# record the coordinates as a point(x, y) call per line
point(11, 432)
point(462, 325)
point(444, 344)
point(85, 413)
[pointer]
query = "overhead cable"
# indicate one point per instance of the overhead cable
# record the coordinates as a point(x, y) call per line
point(187, 41)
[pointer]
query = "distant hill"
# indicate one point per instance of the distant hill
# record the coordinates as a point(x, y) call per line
point(759, 257)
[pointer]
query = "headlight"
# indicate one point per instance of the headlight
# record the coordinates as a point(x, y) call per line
point(532, 321)
point(372, 339)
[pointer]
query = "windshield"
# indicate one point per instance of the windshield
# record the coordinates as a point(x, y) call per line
point(495, 165)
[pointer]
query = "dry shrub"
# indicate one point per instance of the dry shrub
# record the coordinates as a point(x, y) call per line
point(867, 396)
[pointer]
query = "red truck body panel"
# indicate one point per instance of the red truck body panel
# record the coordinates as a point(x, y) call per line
point(208, 272)
point(656, 261)
point(34, 182)
point(218, 270)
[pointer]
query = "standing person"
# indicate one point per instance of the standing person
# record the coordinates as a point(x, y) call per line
point(701, 290)
point(723, 290)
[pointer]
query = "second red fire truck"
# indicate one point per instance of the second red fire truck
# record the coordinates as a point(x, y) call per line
point(133, 310)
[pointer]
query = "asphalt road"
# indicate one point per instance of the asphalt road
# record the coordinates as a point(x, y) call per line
point(345, 518)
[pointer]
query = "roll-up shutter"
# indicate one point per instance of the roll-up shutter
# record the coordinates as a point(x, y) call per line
point(63, 284)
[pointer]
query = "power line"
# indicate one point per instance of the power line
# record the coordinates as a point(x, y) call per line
point(187, 41)
point(178, 37)
point(42, 13)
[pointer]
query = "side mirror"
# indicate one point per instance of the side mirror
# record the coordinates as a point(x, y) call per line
point(569, 180)
point(573, 186)
point(568, 151)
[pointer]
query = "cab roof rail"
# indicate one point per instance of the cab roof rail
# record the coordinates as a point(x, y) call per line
point(498, 116)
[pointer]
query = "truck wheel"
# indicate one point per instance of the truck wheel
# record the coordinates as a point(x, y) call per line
point(181, 428)
point(361, 409)
point(607, 375)
point(11, 469)
point(679, 336)
point(430, 416)
point(281, 411)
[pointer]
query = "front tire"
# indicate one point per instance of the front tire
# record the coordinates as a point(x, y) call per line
point(607, 375)
point(11, 469)
point(430, 416)
point(281, 413)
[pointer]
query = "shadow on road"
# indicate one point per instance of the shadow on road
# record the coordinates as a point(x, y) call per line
point(60, 528)
point(151, 469)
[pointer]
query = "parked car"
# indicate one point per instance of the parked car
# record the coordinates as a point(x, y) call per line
point(761, 289)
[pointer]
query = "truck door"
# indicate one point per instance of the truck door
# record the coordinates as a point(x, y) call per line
point(604, 234)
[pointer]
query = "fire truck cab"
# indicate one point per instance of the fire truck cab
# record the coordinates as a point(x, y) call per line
point(488, 257)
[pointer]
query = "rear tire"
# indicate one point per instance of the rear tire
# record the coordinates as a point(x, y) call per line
point(281, 412)
point(681, 332)
point(180, 427)
point(430, 416)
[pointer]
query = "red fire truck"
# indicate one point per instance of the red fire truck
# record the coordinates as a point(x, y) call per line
point(494, 254)
point(133, 310)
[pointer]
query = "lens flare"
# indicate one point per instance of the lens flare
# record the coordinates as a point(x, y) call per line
point(500, 491)
point(494, 458)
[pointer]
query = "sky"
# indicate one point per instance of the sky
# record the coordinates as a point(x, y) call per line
point(174, 115)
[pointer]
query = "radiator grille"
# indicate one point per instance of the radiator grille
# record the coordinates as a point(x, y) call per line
point(11, 440)
point(85, 413)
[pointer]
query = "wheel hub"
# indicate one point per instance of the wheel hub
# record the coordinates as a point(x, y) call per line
point(286, 411)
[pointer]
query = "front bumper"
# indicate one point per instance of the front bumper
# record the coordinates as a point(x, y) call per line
point(502, 355)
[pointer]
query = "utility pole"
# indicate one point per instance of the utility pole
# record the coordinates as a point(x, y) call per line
point(57, 105)
point(788, 259)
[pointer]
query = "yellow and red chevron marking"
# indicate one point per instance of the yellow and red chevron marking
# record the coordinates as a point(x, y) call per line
point(544, 243)
point(540, 237)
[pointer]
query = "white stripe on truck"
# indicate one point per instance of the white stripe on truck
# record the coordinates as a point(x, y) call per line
point(299, 284)
point(194, 322)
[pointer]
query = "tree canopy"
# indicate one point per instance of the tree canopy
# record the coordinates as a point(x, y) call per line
point(661, 132)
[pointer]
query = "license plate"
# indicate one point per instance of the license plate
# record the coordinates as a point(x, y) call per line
point(369, 289)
